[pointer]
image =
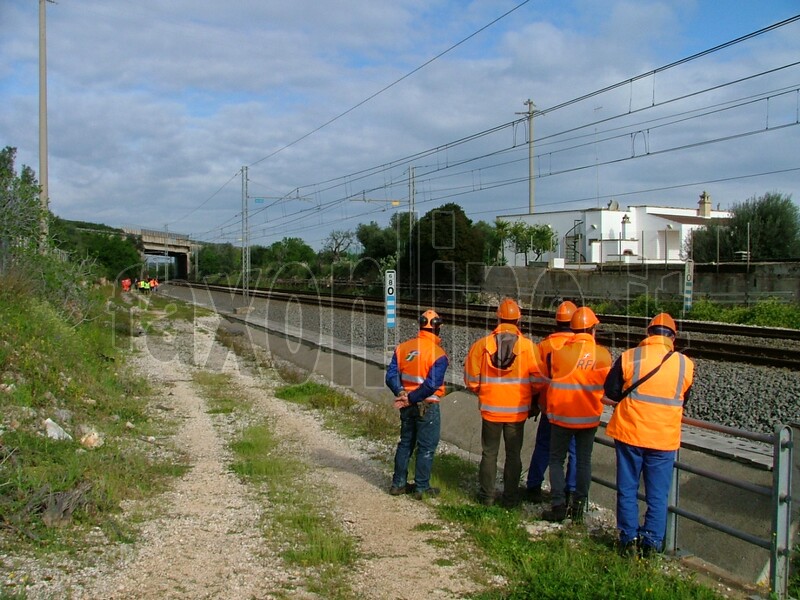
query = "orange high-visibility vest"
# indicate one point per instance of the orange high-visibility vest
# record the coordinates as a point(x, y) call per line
point(575, 391)
point(415, 357)
point(650, 416)
point(554, 341)
point(504, 394)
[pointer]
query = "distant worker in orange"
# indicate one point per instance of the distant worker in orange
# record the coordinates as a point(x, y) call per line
point(651, 384)
point(541, 450)
point(502, 369)
point(126, 284)
point(416, 377)
point(574, 405)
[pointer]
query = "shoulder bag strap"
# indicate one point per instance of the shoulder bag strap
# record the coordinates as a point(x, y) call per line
point(646, 377)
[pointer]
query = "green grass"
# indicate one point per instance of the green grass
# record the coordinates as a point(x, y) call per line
point(297, 520)
point(76, 376)
point(221, 396)
point(176, 310)
point(770, 312)
point(343, 412)
point(570, 564)
point(315, 395)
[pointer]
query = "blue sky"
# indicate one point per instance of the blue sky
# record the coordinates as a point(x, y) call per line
point(154, 108)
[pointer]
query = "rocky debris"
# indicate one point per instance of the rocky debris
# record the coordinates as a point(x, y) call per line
point(54, 431)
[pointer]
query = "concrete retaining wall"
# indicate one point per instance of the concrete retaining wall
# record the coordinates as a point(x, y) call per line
point(542, 287)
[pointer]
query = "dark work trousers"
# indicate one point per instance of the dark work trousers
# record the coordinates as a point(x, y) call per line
point(559, 443)
point(512, 434)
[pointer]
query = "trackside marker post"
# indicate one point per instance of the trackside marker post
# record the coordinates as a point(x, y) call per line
point(688, 286)
point(390, 287)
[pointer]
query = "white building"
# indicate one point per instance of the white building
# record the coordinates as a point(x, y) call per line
point(639, 234)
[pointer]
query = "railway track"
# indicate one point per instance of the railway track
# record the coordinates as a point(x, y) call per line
point(697, 338)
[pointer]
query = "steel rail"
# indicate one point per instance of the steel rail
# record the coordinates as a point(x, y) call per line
point(483, 317)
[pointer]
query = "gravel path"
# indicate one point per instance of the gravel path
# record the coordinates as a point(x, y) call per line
point(205, 541)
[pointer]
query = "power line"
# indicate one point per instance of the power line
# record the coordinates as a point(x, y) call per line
point(348, 180)
point(391, 85)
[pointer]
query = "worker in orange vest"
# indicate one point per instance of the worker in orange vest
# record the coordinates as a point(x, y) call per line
point(651, 384)
point(416, 377)
point(540, 457)
point(574, 405)
point(502, 369)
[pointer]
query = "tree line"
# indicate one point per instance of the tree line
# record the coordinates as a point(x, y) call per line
point(767, 226)
point(443, 246)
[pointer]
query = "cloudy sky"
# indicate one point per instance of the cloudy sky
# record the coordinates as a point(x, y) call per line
point(155, 107)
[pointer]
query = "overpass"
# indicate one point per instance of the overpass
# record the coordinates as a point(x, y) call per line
point(165, 243)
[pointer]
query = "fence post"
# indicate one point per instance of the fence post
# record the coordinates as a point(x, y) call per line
point(780, 552)
point(671, 537)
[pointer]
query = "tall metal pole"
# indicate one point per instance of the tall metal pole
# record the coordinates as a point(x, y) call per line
point(531, 108)
point(166, 252)
point(245, 240)
point(413, 253)
point(748, 246)
point(411, 194)
point(44, 194)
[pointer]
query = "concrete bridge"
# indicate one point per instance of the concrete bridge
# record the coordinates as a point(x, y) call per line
point(165, 243)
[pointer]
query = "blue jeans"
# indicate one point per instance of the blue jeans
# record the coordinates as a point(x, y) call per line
point(584, 445)
point(541, 458)
point(421, 433)
point(656, 468)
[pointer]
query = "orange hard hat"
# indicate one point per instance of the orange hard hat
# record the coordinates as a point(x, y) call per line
point(564, 311)
point(583, 318)
point(509, 310)
point(429, 319)
point(663, 320)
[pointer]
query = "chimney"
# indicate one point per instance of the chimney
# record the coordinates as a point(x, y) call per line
point(704, 206)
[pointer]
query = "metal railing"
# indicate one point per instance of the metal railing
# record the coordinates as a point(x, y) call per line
point(779, 543)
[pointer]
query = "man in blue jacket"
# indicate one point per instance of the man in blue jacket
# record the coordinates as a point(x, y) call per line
point(416, 377)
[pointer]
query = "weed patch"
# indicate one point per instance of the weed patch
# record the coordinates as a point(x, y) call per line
point(566, 565)
point(53, 491)
point(312, 538)
point(222, 396)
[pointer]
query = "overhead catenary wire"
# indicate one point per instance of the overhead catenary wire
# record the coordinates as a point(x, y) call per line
point(335, 183)
point(549, 139)
point(391, 85)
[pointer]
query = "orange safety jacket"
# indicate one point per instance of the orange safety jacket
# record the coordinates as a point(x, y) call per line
point(650, 416)
point(578, 371)
point(415, 359)
point(504, 390)
point(554, 341)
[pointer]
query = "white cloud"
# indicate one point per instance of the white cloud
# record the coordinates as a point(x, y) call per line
point(154, 106)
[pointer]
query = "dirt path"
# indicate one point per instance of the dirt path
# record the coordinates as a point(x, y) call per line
point(207, 543)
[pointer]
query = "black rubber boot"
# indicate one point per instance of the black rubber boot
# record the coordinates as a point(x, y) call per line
point(629, 549)
point(556, 514)
point(533, 495)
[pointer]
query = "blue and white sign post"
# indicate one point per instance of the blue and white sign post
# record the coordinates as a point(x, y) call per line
point(390, 287)
point(688, 286)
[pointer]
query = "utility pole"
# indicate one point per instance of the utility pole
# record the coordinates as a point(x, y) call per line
point(411, 195)
point(44, 194)
point(413, 254)
point(166, 252)
point(245, 240)
point(531, 108)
